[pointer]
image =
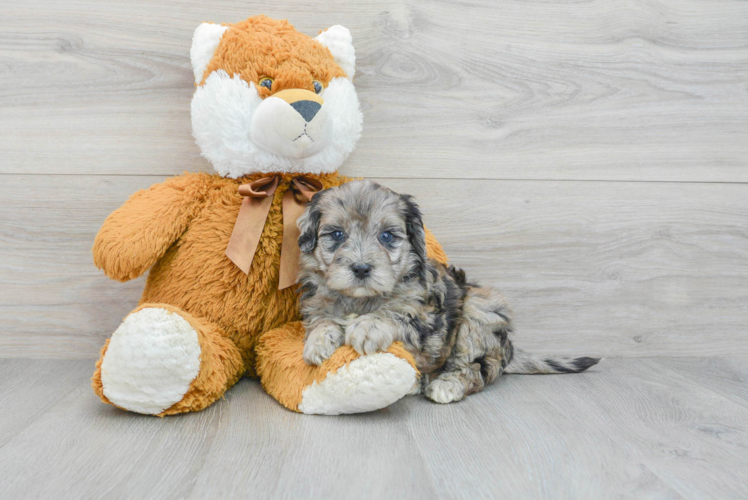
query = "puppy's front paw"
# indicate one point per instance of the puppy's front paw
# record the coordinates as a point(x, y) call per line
point(369, 335)
point(321, 342)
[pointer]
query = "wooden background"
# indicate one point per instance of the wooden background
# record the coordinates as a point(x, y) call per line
point(587, 157)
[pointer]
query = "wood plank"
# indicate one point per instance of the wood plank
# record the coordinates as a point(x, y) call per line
point(28, 388)
point(728, 377)
point(82, 448)
point(623, 429)
point(688, 435)
point(621, 269)
point(620, 430)
point(649, 90)
point(521, 437)
point(355, 456)
point(615, 269)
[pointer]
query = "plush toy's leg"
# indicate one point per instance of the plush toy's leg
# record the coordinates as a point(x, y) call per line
point(345, 383)
point(162, 361)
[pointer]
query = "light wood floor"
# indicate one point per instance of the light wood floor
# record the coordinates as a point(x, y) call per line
point(630, 428)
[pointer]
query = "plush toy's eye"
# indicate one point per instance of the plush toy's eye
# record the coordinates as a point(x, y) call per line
point(338, 235)
point(386, 237)
point(266, 82)
point(318, 88)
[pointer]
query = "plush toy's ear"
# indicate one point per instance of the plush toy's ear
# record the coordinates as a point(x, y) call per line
point(340, 43)
point(204, 43)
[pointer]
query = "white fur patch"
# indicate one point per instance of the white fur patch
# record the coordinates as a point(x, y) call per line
point(205, 41)
point(365, 384)
point(152, 359)
point(445, 391)
point(222, 110)
point(279, 128)
point(339, 42)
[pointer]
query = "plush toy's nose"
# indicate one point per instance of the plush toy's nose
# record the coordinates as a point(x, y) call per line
point(307, 109)
point(306, 103)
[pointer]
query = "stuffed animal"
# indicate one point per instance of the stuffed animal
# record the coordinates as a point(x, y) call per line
point(276, 113)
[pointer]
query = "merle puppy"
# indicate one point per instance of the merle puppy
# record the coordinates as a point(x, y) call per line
point(366, 281)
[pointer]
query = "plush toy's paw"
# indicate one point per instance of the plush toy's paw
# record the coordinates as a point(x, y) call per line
point(150, 361)
point(345, 383)
point(445, 390)
point(365, 384)
point(322, 342)
point(368, 335)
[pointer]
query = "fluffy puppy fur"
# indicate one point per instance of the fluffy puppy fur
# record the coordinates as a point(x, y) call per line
point(366, 281)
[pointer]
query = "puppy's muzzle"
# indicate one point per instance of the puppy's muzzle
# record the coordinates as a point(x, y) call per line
point(361, 270)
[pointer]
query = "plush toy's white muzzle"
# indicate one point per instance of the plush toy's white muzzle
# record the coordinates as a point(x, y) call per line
point(240, 133)
point(292, 123)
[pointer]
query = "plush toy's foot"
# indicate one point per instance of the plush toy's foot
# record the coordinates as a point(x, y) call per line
point(162, 361)
point(345, 383)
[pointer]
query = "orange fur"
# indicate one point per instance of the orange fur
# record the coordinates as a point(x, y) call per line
point(276, 50)
point(282, 369)
point(96, 379)
point(433, 249)
point(136, 235)
point(221, 365)
point(184, 225)
point(179, 229)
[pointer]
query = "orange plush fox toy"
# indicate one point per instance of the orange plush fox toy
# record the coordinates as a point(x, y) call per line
point(276, 114)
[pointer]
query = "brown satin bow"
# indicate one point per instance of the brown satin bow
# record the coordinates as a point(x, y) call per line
point(258, 198)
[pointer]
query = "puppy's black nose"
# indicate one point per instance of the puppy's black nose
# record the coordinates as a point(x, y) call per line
point(307, 109)
point(361, 270)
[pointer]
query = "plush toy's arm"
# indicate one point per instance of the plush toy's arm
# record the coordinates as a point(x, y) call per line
point(138, 233)
point(433, 249)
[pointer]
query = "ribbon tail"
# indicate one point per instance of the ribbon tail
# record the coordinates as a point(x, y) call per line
point(247, 231)
point(290, 253)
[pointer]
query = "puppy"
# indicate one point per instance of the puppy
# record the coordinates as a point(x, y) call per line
point(366, 281)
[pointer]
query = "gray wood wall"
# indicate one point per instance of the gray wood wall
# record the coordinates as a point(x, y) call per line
point(588, 158)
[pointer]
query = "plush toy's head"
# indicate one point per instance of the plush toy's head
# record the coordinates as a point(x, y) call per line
point(270, 99)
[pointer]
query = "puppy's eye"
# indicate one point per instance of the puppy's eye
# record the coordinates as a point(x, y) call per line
point(266, 82)
point(338, 235)
point(386, 237)
point(318, 87)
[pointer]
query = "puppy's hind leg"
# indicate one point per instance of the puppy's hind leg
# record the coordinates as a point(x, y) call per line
point(481, 349)
point(451, 386)
point(465, 374)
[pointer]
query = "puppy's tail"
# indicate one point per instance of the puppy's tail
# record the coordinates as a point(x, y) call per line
point(525, 363)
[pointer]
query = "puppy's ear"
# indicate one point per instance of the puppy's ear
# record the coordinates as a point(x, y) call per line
point(414, 228)
point(309, 224)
